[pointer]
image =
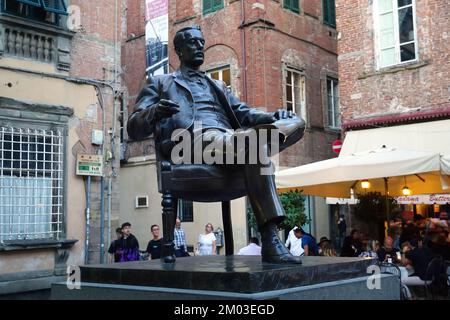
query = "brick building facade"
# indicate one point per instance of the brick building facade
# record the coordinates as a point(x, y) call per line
point(383, 81)
point(60, 80)
point(394, 76)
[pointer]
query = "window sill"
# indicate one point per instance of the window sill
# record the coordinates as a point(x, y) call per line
point(184, 19)
point(21, 245)
point(292, 11)
point(329, 25)
point(394, 69)
point(311, 15)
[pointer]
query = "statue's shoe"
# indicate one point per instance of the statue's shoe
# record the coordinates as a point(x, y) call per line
point(169, 259)
point(168, 253)
point(273, 249)
point(287, 258)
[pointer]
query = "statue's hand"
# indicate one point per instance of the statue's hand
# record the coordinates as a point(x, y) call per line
point(270, 117)
point(283, 114)
point(265, 118)
point(166, 108)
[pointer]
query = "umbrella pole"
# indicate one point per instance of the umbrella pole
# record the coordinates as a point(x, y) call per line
point(388, 208)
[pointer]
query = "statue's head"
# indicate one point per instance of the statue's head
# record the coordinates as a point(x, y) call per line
point(189, 45)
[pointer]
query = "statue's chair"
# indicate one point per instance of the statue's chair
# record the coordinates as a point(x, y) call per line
point(195, 182)
point(206, 183)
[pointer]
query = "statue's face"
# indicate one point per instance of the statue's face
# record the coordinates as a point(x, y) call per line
point(191, 53)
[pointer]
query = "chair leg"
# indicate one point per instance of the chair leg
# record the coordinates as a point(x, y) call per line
point(169, 214)
point(228, 228)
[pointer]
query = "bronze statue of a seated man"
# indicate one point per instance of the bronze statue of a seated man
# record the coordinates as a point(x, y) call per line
point(176, 101)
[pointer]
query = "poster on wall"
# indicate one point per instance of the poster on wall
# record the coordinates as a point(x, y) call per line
point(157, 36)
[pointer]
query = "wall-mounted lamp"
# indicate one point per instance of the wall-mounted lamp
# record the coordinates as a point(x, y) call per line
point(365, 184)
point(406, 191)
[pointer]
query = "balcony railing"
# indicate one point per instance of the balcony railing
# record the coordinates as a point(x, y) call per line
point(26, 39)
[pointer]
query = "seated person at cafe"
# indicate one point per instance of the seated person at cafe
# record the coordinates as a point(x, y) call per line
point(327, 250)
point(439, 245)
point(324, 241)
point(418, 258)
point(388, 253)
point(309, 244)
point(371, 250)
point(405, 247)
point(410, 233)
point(352, 245)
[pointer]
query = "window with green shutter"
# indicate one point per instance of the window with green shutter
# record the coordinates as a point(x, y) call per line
point(329, 12)
point(36, 3)
point(212, 5)
point(47, 11)
point(293, 5)
point(56, 6)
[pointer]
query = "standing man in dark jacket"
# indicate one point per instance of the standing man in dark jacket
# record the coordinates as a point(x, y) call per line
point(129, 244)
point(114, 249)
point(342, 230)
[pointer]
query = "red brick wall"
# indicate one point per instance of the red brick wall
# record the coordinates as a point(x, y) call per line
point(93, 47)
point(183, 9)
point(366, 92)
point(313, 8)
point(133, 50)
point(135, 16)
point(92, 57)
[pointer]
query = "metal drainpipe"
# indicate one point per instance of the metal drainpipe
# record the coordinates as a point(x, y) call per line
point(244, 56)
point(102, 179)
point(88, 216)
point(114, 119)
point(102, 220)
point(109, 210)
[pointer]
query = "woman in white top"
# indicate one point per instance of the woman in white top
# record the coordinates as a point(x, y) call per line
point(207, 242)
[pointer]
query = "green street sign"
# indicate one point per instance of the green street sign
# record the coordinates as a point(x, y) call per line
point(89, 165)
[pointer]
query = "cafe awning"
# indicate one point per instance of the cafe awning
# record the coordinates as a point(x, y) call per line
point(416, 155)
point(420, 171)
point(425, 199)
point(445, 163)
point(431, 136)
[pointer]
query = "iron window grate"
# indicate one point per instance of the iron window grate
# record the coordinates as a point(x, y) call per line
point(31, 183)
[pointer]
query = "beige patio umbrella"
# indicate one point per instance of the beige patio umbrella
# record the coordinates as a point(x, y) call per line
point(388, 170)
point(445, 164)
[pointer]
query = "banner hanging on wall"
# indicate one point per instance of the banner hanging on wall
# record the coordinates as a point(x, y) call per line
point(157, 36)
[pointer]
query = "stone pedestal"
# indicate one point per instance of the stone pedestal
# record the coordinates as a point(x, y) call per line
point(230, 277)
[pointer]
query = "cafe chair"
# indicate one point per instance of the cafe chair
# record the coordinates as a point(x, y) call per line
point(447, 269)
point(390, 268)
point(434, 275)
point(434, 278)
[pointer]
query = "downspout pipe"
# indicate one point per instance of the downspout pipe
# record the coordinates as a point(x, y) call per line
point(244, 55)
point(102, 220)
point(88, 218)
